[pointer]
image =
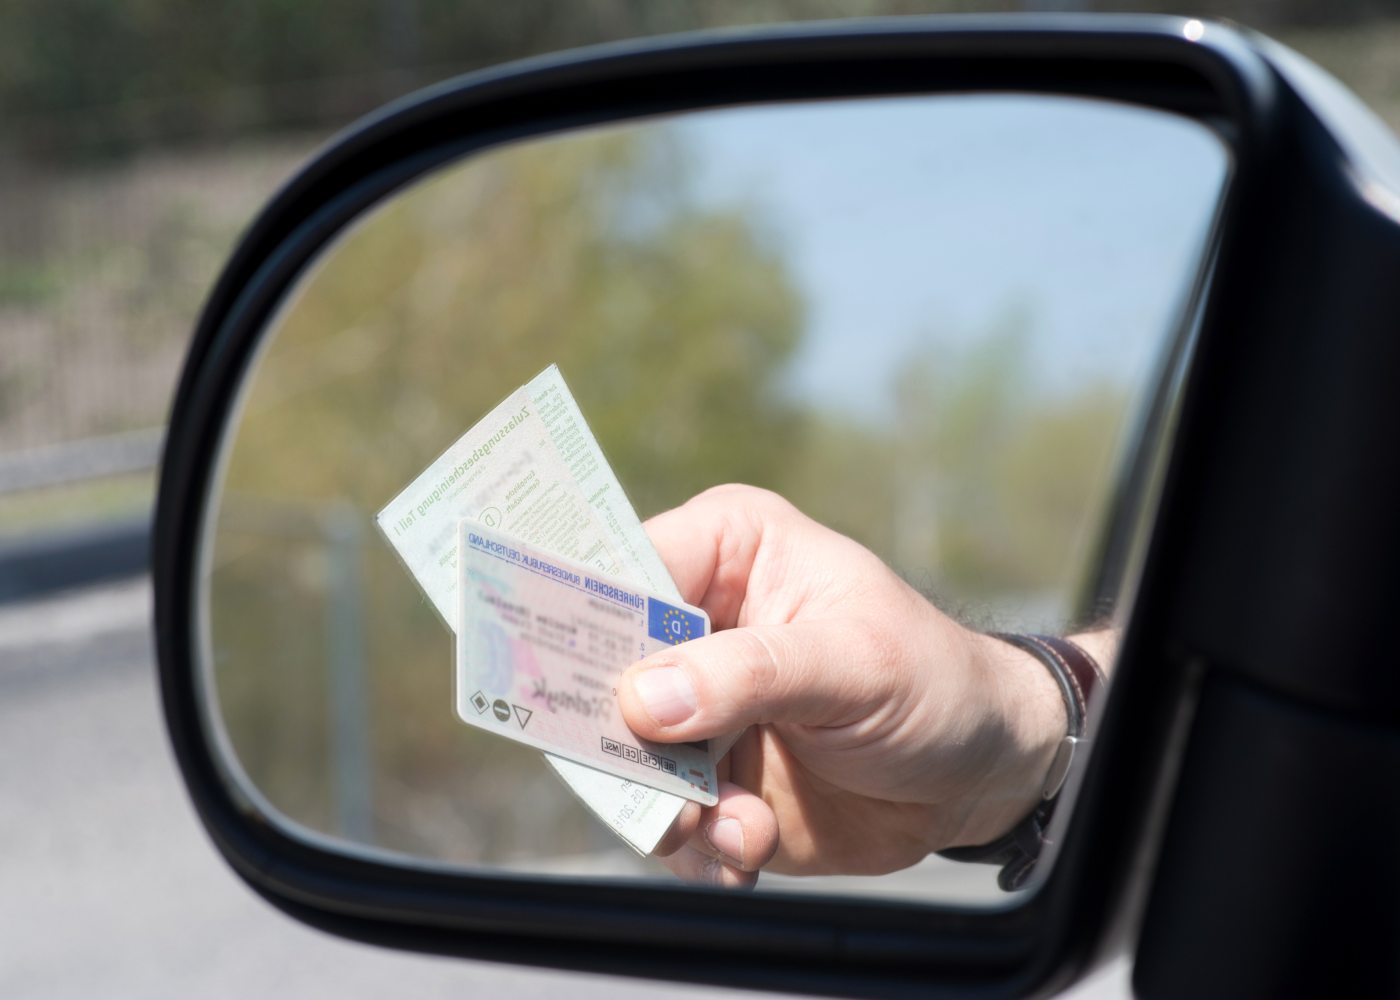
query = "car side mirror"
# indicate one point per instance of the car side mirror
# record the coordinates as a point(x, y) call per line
point(584, 208)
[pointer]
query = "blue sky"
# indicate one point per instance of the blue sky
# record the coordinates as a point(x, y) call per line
point(918, 219)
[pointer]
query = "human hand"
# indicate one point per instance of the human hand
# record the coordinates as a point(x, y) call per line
point(877, 729)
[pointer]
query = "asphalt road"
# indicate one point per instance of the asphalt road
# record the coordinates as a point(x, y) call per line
point(108, 885)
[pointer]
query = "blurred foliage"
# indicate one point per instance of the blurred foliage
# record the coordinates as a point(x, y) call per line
point(60, 507)
point(1007, 486)
point(88, 78)
point(101, 274)
point(674, 321)
point(420, 319)
point(671, 323)
point(138, 138)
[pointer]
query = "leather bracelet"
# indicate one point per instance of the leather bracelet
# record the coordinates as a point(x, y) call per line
point(1078, 677)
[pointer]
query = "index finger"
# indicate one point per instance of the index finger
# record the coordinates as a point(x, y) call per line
point(709, 545)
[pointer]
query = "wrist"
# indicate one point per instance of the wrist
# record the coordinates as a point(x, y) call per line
point(1027, 709)
point(1077, 676)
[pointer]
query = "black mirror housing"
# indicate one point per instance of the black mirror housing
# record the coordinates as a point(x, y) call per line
point(1262, 603)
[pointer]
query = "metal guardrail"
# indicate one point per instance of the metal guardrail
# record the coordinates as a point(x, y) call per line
point(63, 559)
point(77, 461)
point(54, 559)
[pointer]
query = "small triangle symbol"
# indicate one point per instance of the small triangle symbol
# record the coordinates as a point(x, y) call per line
point(522, 715)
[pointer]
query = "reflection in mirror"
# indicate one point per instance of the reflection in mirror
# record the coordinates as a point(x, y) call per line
point(933, 324)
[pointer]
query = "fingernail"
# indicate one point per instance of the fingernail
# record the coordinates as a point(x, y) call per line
point(727, 836)
point(666, 694)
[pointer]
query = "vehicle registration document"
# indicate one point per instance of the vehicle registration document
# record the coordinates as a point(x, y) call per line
point(541, 642)
point(532, 468)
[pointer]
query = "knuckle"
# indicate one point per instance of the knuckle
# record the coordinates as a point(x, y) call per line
point(880, 644)
point(754, 497)
point(882, 652)
point(761, 671)
point(726, 494)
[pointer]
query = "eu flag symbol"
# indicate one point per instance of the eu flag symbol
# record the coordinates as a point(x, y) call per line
point(671, 624)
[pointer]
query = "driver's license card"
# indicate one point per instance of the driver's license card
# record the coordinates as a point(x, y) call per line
point(541, 642)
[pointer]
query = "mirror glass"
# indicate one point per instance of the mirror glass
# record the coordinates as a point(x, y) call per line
point(935, 324)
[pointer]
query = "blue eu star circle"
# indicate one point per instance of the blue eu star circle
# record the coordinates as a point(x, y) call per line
point(676, 626)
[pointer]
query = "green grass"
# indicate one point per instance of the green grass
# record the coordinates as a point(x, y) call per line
point(59, 507)
point(27, 285)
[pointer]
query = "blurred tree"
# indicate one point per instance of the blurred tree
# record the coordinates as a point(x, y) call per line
point(999, 489)
point(670, 319)
point(90, 78)
point(87, 78)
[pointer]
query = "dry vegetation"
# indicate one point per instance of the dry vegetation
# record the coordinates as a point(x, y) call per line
point(102, 269)
point(102, 272)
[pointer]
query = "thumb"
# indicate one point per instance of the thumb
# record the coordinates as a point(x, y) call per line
point(813, 673)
